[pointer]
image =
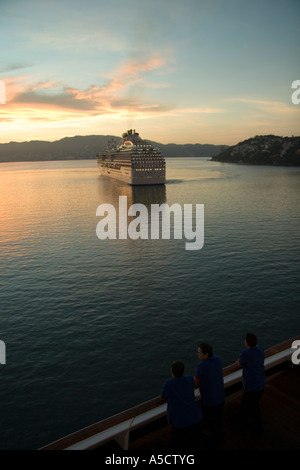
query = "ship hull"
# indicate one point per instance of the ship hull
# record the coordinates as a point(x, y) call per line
point(131, 177)
point(115, 174)
point(135, 162)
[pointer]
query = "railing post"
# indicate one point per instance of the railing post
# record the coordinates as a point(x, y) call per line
point(123, 439)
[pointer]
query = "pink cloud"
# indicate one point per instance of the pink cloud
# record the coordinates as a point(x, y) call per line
point(24, 96)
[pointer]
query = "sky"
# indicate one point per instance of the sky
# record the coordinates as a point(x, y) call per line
point(177, 71)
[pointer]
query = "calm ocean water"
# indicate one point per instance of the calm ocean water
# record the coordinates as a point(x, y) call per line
point(91, 327)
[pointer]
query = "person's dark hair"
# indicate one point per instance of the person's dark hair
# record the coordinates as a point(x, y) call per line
point(251, 340)
point(206, 349)
point(177, 368)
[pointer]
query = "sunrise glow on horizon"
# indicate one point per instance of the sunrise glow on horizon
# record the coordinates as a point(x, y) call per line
point(200, 71)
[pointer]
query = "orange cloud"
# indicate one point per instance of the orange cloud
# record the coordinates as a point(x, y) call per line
point(36, 105)
point(116, 93)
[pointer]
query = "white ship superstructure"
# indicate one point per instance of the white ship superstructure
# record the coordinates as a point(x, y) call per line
point(133, 161)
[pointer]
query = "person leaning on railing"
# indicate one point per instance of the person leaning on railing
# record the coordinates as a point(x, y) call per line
point(252, 362)
point(209, 379)
point(183, 412)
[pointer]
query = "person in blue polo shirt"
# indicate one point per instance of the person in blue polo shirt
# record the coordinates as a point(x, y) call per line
point(252, 362)
point(209, 379)
point(182, 410)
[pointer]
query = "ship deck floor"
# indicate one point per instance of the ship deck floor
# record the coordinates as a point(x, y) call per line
point(280, 409)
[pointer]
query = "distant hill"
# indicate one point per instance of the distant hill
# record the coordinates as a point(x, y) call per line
point(263, 150)
point(86, 147)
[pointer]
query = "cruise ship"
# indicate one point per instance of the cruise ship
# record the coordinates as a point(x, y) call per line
point(133, 161)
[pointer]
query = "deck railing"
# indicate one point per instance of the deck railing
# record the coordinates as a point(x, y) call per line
point(119, 426)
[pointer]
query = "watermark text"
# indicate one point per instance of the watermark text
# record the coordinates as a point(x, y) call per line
point(2, 352)
point(296, 354)
point(155, 459)
point(155, 226)
point(296, 94)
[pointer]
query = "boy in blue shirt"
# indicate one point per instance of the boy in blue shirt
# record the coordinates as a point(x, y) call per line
point(182, 410)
